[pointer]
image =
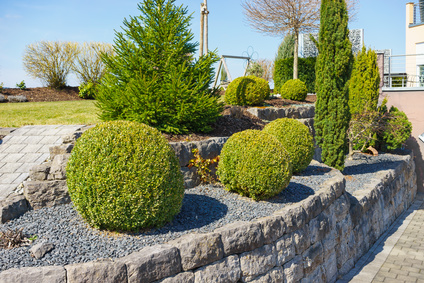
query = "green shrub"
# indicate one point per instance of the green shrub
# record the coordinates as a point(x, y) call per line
point(87, 90)
point(364, 82)
point(1, 87)
point(21, 85)
point(254, 164)
point(294, 90)
point(295, 138)
point(283, 71)
point(155, 78)
point(398, 129)
point(124, 176)
point(249, 90)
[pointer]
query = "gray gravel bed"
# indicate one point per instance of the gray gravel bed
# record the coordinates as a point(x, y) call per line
point(205, 208)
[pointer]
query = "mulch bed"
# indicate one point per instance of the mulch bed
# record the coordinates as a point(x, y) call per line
point(226, 125)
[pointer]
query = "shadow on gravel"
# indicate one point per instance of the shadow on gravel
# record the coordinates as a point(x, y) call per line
point(295, 192)
point(197, 211)
point(313, 170)
point(370, 168)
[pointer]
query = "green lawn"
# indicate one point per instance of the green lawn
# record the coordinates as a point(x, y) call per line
point(48, 113)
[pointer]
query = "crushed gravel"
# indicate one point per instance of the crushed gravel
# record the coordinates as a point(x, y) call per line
point(205, 208)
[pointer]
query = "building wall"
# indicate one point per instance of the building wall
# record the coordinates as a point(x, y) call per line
point(412, 103)
point(414, 37)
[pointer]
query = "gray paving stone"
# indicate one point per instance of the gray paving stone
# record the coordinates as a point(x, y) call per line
point(14, 148)
point(45, 148)
point(9, 178)
point(34, 139)
point(11, 157)
point(22, 177)
point(30, 157)
point(50, 140)
point(25, 167)
point(10, 167)
point(31, 148)
point(3, 147)
point(16, 139)
point(42, 158)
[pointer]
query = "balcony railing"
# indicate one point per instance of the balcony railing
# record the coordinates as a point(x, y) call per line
point(404, 71)
point(419, 13)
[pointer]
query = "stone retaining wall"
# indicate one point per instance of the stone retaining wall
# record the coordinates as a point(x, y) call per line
point(273, 113)
point(315, 240)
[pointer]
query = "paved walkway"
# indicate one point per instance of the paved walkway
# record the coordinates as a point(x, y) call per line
point(398, 255)
point(24, 148)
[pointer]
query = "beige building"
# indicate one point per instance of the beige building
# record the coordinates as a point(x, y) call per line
point(414, 42)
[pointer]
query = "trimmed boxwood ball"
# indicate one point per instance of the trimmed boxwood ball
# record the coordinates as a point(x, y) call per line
point(249, 90)
point(294, 90)
point(254, 164)
point(124, 176)
point(296, 139)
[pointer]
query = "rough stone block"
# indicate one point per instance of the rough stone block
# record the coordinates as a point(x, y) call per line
point(293, 270)
point(183, 277)
point(40, 172)
point(239, 237)
point(273, 227)
point(341, 207)
point(275, 275)
point(191, 178)
point(60, 150)
point(58, 168)
point(312, 206)
point(225, 270)
point(330, 267)
point(318, 275)
point(96, 271)
point(327, 197)
point(199, 249)
point(39, 250)
point(329, 243)
point(285, 249)
point(53, 274)
point(13, 207)
point(302, 240)
point(319, 227)
point(46, 193)
point(152, 263)
point(72, 138)
point(257, 262)
point(312, 258)
point(294, 216)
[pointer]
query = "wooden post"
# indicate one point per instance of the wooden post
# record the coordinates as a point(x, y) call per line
point(206, 12)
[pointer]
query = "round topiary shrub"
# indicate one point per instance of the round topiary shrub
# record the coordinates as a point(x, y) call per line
point(295, 138)
point(294, 90)
point(249, 90)
point(124, 176)
point(254, 164)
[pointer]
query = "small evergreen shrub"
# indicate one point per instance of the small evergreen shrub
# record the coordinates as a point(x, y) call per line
point(398, 129)
point(294, 90)
point(21, 85)
point(283, 71)
point(124, 176)
point(254, 164)
point(295, 138)
point(87, 90)
point(249, 90)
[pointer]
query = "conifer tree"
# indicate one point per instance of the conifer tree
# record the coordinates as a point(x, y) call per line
point(286, 48)
point(364, 83)
point(333, 69)
point(154, 78)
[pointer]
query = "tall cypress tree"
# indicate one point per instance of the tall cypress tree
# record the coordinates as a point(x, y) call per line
point(333, 69)
point(154, 77)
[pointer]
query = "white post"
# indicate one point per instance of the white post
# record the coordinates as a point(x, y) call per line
point(206, 12)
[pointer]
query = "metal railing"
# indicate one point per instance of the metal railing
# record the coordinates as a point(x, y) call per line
point(404, 71)
point(419, 13)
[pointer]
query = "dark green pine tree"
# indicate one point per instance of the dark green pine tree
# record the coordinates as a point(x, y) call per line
point(333, 69)
point(154, 79)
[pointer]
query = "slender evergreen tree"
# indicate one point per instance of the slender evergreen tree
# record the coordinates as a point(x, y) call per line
point(154, 78)
point(333, 69)
point(364, 83)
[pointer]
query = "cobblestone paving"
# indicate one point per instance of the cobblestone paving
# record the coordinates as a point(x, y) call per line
point(398, 256)
point(24, 148)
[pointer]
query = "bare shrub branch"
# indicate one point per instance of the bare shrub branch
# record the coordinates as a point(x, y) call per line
point(50, 61)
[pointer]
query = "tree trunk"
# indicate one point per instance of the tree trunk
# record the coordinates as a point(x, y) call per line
point(296, 55)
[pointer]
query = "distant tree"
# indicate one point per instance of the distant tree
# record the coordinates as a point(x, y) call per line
point(224, 75)
point(261, 68)
point(286, 48)
point(50, 61)
point(279, 17)
point(333, 69)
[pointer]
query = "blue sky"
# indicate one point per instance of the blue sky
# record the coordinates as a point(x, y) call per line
point(23, 22)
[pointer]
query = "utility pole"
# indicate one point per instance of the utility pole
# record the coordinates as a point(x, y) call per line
point(203, 27)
